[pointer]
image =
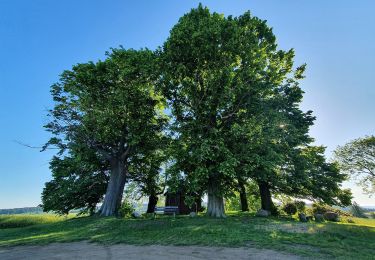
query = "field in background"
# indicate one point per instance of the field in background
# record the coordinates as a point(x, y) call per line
point(341, 240)
point(24, 220)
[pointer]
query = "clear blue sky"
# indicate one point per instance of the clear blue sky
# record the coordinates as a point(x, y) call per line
point(39, 39)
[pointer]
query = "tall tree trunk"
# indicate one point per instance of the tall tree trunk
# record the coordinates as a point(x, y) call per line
point(243, 197)
point(115, 189)
point(152, 201)
point(265, 196)
point(215, 206)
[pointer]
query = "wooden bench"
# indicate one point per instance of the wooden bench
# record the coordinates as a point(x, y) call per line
point(169, 210)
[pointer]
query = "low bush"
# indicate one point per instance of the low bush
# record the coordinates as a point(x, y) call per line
point(290, 208)
point(301, 206)
point(319, 208)
point(126, 209)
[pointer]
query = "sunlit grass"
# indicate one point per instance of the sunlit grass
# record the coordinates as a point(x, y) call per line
point(368, 222)
point(23, 220)
point(328, 240)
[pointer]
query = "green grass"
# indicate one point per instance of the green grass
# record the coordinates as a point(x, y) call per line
point(327, 240)
point(24, 220)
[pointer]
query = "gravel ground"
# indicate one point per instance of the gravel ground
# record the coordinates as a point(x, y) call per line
point(85, 250)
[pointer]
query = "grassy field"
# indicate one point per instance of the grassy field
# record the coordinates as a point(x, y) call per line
point(326, 240)
point(24, 220)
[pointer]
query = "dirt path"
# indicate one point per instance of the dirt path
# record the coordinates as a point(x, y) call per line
point(85, 250)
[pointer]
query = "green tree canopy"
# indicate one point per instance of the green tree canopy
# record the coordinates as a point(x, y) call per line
point(357, 158)
point(149, 176)
point(110, 107)
point(234, 99)
point(312, 177)
point(218, 74)
point(79, 183)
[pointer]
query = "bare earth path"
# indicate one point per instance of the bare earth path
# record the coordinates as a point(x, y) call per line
point(85, 250)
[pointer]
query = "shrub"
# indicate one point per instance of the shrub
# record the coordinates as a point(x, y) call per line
point(301, 205)
point(290, 208)
point(126, 209)
point(232, 203)
point(319, 217)
point(331, 216)
point(319, 208)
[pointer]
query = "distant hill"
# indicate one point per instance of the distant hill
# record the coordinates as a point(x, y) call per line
point(26, 210)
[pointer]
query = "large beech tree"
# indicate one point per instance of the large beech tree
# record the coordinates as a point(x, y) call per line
point(264, 141)
point(234, 98)
point(218, 72)
point(111, 108)
point(274, 150)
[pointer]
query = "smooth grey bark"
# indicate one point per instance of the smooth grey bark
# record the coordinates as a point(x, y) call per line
point(115, 189)
point(215, 206)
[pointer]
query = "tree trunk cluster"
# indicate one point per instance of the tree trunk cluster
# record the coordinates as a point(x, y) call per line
point(215, 206)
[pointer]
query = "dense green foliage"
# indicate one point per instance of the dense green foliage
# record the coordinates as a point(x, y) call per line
point(317, 179)
point(233, 201)
point(78, 183)
point(358, 159)
point(323, 240)
point(126, 209)
point(290, 208)
point(319, 208)
point(235, 100)
point(236, 131)
point(111, 109)
point(300, 205)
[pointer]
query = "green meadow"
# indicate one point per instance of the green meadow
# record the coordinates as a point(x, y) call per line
point(341, 240)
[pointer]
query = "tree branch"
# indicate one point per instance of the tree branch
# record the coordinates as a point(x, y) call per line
point(124, 155)
point(34, 147)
